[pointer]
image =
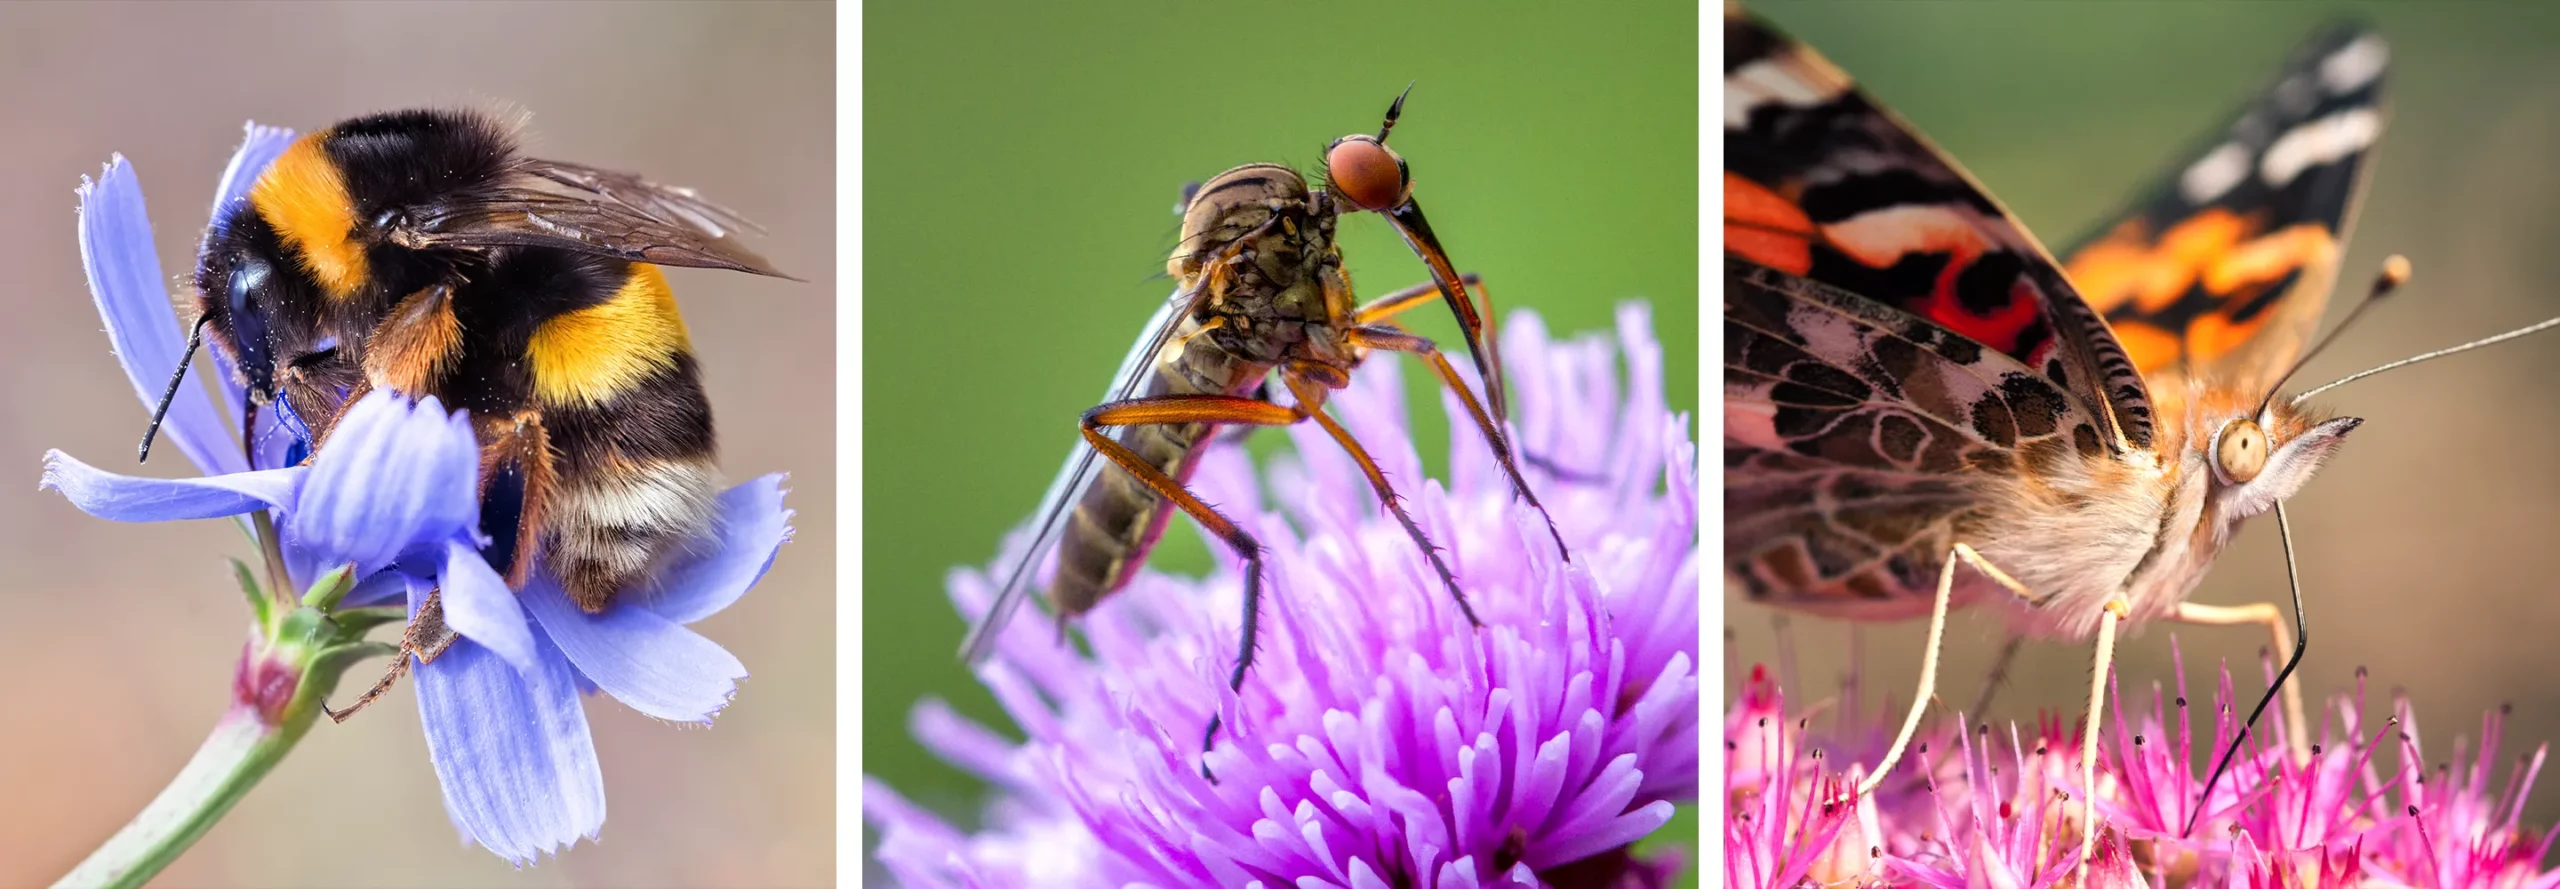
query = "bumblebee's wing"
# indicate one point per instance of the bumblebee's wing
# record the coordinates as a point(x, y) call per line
point(571, 207)
point(1082, 468)
point(2229, 258)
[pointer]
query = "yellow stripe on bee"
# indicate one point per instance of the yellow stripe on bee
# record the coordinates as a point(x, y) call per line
point(591, 355)
point(305, 198)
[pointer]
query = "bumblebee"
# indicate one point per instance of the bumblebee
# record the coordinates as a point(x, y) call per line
point(418, 251)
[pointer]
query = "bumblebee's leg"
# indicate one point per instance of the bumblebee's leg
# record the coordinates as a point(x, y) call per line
point(1310, 397)
point(1170, 409)
point(426, 638)
point(1392, 340)
point(517, 481)
point(2297, 728)
point(412, 348)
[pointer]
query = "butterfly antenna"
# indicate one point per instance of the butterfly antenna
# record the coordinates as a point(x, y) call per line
point(195, 338)
point(2534, 328)
point(2301, 643)
point(2395, 272)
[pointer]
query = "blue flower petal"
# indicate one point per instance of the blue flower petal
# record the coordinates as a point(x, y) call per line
point(124, 278)
point(752, 524)
point(395, 476)
point(379, 588)
point(651, 663)
point(511, 750)
point(127, 498)
point(478, 605)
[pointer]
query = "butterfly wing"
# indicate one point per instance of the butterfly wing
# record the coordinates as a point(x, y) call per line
point(2227, 262)
point(1822, 183)
point(1859, 439)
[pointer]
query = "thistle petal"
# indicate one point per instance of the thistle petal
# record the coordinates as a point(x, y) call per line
point(751, 527)
point(646, 661)
point(511, 750)
point(127, 498)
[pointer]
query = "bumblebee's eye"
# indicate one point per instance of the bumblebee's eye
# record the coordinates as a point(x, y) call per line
point(1365, 173)
point(2240, 451)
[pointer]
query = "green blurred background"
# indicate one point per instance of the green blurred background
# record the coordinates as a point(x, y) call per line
point(2426, 545)
point(1021, 164)
point(119, 639)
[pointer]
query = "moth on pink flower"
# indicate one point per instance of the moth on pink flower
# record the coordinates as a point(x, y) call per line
point(1926, 410)
point(1386, 742)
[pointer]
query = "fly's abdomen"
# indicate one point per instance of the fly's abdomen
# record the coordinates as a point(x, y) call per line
point(1118, 520)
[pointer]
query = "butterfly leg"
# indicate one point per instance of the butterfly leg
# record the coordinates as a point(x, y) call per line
point(1999, 674)
point(2114, 613)
point(1171, 409)
point(2297, 728)
point(1390, 339)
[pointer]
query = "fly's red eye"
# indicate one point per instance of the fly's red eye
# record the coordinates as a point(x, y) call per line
point(1364, 172)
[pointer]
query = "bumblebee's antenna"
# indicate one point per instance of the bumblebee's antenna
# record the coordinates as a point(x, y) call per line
point(195, 338)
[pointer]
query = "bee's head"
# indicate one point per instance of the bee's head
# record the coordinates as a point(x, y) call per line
point(242, 281)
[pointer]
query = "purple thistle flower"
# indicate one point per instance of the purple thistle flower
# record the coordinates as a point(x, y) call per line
point(395, 495)
point(2339, 818)
point(1379, 741)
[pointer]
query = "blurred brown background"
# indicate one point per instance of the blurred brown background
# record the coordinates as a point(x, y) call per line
point(118, 640)
point(2426, 547)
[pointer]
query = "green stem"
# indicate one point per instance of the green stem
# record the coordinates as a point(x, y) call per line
point(240, 751)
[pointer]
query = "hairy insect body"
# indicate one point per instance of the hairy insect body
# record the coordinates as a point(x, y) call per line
point(1275, 294)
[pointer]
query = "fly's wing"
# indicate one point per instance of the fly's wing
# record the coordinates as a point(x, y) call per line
point(1860, 438)
point(2226, 263)
point(1823, 184)
point(571, 207)
point(1083, 466)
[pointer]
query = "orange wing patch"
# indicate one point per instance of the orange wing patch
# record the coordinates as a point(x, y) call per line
point(1766, 228)
point(2203, 288)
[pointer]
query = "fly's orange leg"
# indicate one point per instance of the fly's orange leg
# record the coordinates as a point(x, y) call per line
point(1165, 409)
point(1377, 312)
point(1399, 302)
point(1388, 339)
point(1311, 401)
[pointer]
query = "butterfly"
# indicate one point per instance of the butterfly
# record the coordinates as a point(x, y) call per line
point(1926, 409)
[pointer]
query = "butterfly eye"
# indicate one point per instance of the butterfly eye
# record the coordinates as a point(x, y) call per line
point(2240, 451)
point(1365, 172)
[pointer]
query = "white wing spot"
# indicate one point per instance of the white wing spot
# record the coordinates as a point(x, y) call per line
point(2322, 141)
point(1767, 81)
point(2213, 175)
point(2355, 64)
